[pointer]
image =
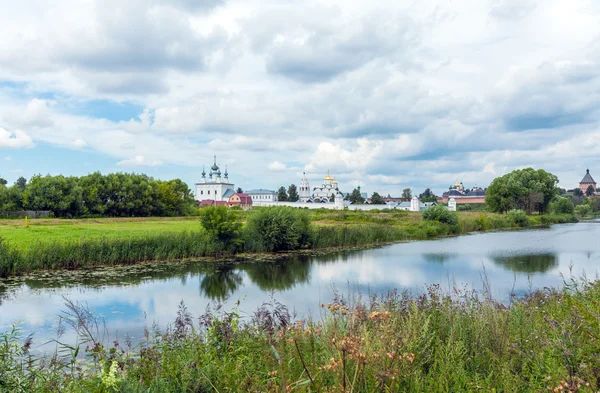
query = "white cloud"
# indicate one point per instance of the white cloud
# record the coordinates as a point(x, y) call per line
point(79, 143)
point(14, 140)
point(138, 161)
point(277, 166)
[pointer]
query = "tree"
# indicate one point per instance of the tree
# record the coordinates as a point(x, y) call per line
point(281, 194)
point(590, 191)
point(577, 192)
point(239, 190)
point(355, 197)
point(406, 194)
point(21, 183)
point(377, 199)
point(293, 193)
point(221, 222)
point(563, 206)
point(427, 196)
point(3, 182)
point(332, 198)
point(527, 189)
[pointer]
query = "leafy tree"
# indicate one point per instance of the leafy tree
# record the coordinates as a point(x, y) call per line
point(582, 210)
point(407, 194)
point(239, 190)
point(281, 194)
point(293, 193)
point(377, 199)
point(563, 206)
point(355, 197)
point(21, 183)
point(590, 191)
point(220, 222)
point(527, 189)
point(332, 198)
point(577, 192)
point(3, 182)
point(427, 196)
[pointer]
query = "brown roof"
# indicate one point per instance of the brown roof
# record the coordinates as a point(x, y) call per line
point(210, 202)
point(587, 179)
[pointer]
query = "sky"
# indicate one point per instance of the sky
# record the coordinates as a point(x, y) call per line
point(385, 94)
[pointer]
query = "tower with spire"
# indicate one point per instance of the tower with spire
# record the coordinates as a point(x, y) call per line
point(586, 182)
point(304, 190)
point(214, 187)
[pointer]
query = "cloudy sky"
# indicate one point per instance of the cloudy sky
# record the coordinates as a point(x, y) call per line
point(385, 94)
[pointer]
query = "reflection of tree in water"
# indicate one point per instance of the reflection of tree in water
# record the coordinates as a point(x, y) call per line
point(532, 263)
point(220, 282)
point(279, 275)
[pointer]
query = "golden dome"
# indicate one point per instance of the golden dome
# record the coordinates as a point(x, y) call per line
point(328, 177)
point(335, 182)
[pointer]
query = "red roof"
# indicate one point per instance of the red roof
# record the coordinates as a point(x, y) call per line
point(245, 199)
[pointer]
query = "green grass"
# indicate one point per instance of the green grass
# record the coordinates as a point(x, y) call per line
point(52, 230)
point(73, 244)
point(464, 342)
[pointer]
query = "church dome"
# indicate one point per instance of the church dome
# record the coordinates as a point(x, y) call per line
point(328, 177)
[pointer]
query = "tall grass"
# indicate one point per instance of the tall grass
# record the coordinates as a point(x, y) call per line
point(437, 342)
point(266, 230)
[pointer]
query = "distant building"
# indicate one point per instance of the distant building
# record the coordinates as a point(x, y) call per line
point(261, 195)
point(464, 196)
point(587, 181)
point(304, 189)
point(214, 188)
point(324, 193)
point(390, 198)
point(241, 199)
point(452, 204)
point(415, 205)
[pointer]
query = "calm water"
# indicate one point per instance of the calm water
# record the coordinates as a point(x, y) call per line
point(134, 297)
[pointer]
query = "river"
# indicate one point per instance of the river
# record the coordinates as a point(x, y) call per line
point(132, 298)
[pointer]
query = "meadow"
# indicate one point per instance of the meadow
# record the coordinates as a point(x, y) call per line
point(80, 243)
point(457, 341)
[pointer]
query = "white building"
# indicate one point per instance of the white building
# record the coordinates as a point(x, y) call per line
point(325, 192)
point(415, 205)
point(261, 195)
point(304, 189)
point(214, 187)
point(452, 204)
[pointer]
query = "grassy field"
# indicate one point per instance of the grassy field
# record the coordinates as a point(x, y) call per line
point(51, 230)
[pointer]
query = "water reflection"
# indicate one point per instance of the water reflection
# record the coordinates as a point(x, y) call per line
point(280, 275)
point(219, 282)
point(531, 263)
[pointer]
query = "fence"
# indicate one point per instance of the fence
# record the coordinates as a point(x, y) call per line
point(25, 213)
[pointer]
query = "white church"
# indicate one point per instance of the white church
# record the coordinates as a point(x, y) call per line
point(327, 192)
point(214, 187)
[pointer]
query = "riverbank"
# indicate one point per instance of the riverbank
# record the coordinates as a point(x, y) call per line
point(463, 342)
point(75, 244)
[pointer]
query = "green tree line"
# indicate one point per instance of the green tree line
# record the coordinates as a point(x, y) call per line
point(112, 195)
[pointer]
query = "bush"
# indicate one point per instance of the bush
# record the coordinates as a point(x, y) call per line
point(582, 210)
point(440, 214)
point(278, 229)
point(464, 208)
point(518, 217)
point(222, 223)
point(562, 206)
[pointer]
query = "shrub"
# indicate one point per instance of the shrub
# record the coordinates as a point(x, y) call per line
point(222, 223)
point(563, 206)
point(440, 214)
point(278, 229)
point(518, 217)
point(582, 210)
point(464, 208)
